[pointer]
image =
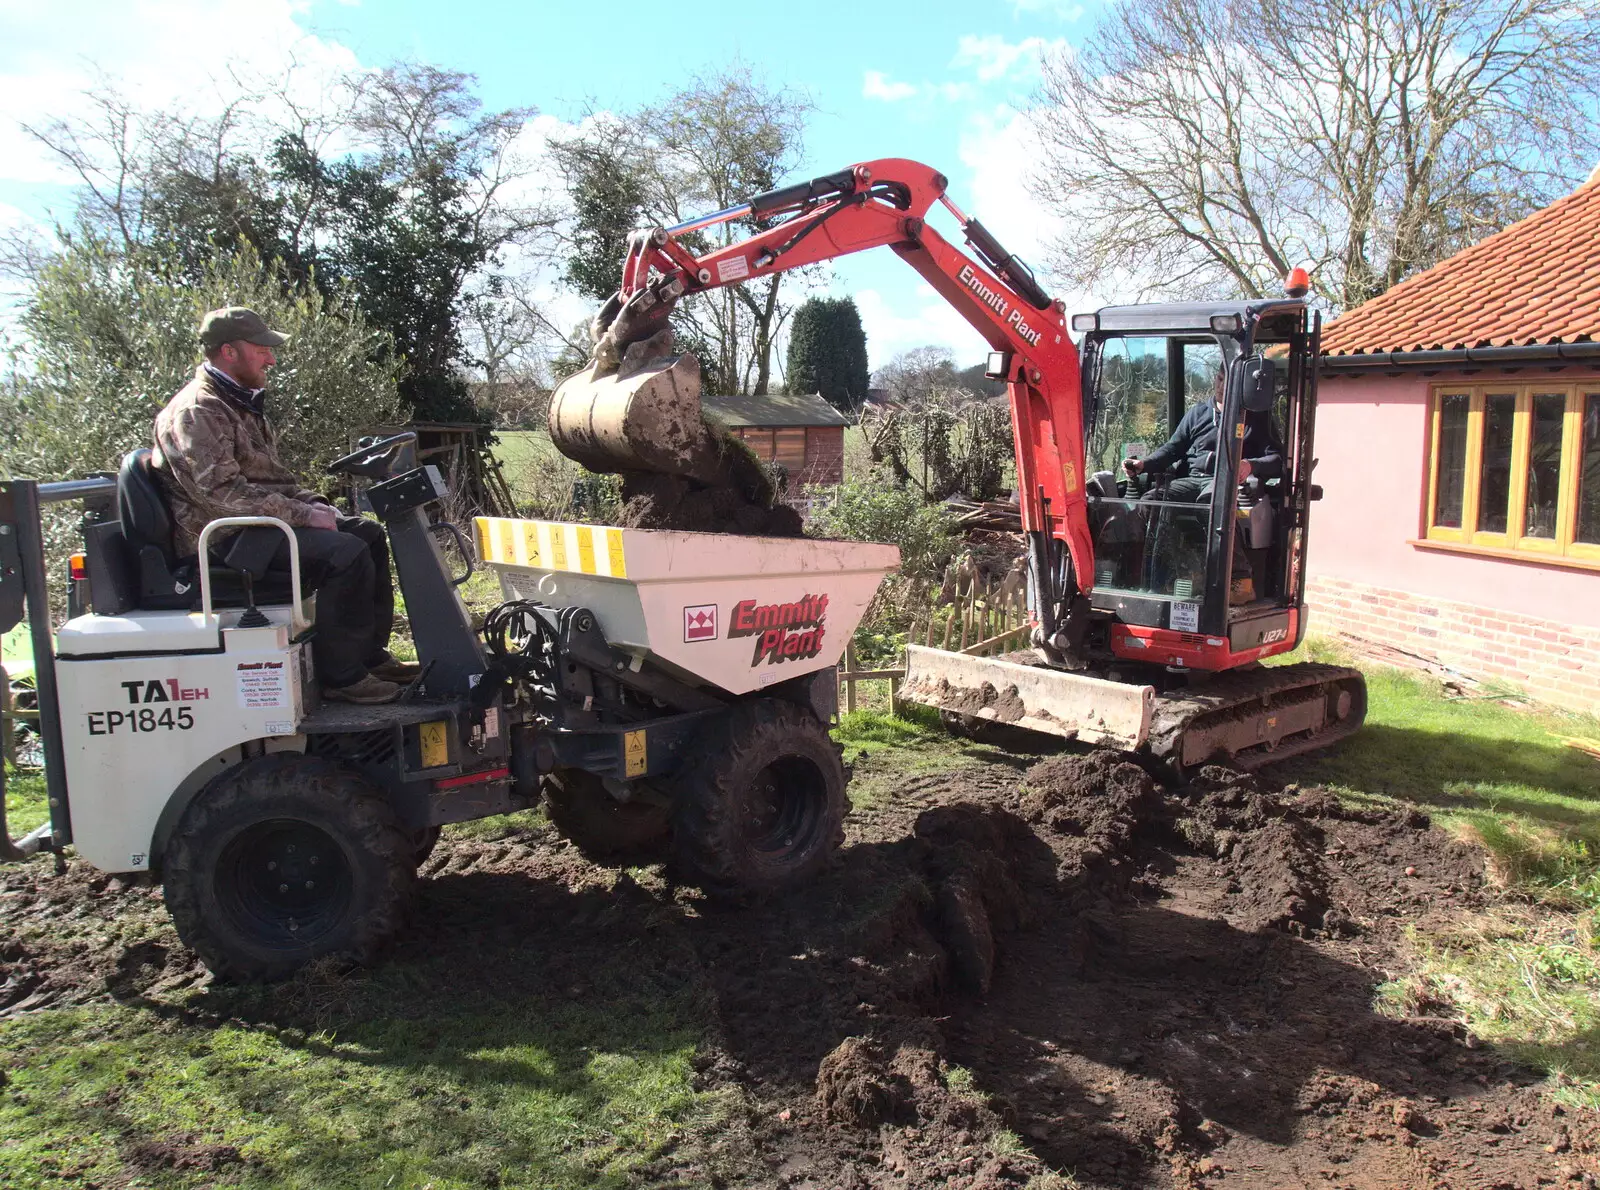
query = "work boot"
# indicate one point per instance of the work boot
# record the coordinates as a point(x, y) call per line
point(392, 669)
point(369, 691)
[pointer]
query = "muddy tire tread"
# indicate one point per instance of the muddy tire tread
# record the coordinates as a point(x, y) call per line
point(599, 826)
point(705, 827)
point(279, 783)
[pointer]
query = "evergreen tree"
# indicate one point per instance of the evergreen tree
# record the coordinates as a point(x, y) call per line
point(828, 352)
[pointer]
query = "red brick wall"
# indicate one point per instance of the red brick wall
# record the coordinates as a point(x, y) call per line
point(1552, 662)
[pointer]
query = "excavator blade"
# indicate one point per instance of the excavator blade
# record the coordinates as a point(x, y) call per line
point(643, 417)
point(1249, 719)
point(1093, 710)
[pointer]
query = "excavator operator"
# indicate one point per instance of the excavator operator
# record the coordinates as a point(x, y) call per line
point(1195, 442)
point(1194, 445)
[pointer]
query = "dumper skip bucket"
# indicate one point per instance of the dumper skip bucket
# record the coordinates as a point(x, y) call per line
point(738, 613)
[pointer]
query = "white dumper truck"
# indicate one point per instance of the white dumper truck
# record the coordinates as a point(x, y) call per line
point(647, 686)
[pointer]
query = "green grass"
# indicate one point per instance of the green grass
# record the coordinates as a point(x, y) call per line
point(886, 748)
point(573, 1097)
point(1522, 977)
point(519, 450)
point(1498, 773)
point(862, 733)
point(26, 805)
point(406, 1084)
point(1525, 974)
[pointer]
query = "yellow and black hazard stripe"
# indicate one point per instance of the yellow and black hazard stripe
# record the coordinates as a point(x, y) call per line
point(552, 545)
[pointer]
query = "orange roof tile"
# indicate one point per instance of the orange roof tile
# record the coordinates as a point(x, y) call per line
point(1538, 281)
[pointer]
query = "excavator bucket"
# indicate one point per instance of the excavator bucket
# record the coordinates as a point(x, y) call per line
point(1095, 711)
point(643, 417)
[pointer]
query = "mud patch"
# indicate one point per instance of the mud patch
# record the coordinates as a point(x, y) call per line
point(984, 702)
point(652, 501)
point(81, 935)
point(1073, 970)
point(183, 1152)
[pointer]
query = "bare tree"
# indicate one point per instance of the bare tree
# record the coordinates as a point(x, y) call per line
point(713, 145)
point(1188, 144)
point(508, 333)
point(936, 434)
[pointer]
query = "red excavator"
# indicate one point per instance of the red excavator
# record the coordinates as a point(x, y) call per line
point(1156, 589)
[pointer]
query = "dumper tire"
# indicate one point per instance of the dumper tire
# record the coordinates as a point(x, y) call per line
point(422, 844)
point(762, 807)
point(297, 820)
point(598, 825)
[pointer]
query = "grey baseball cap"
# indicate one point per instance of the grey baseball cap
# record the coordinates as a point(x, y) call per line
point(233, 323)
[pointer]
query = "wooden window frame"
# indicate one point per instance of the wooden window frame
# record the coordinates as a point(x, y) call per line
point(1513, 542)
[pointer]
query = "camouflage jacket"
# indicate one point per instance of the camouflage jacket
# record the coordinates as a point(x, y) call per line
point(216, 456)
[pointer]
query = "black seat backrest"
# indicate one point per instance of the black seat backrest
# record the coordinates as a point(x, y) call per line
point(142, 505)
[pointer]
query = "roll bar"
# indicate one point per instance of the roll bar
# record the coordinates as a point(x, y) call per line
point(228, 522)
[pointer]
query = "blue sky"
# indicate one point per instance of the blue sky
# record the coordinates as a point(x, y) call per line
point(941, 82)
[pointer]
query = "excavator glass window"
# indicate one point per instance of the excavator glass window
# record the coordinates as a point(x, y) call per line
point(1132, 406)
point(1146, 542)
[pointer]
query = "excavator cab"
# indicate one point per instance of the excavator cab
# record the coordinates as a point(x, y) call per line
point(1192, 546)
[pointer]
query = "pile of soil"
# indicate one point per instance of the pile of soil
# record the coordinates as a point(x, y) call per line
point(1009, 970)
point(652, 501)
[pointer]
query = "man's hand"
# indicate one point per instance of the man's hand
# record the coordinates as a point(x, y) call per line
point(1132, 466)
point(1245, 470)
point(322, 516)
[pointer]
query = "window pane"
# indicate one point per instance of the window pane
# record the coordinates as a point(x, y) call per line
point(1452, 460)
point(1494, 476)
point(1544, 464)
point(1150, 547)
point(1202, 370)
point(1132, 415)
point(1589, 472)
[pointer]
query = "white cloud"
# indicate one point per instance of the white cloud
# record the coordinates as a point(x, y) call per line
point(1065, 10)
point(157, 55)
point(994, 58)
point(925, 319)
point(1000, 148)
point(877, 85)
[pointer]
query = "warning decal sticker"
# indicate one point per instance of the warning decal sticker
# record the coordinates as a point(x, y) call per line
point(263, 685)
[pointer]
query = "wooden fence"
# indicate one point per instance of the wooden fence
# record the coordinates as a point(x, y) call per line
point(984, 616)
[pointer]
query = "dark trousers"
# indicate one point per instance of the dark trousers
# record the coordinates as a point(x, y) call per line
point(1197, 489)
point(1189, 489)
point(348, 568)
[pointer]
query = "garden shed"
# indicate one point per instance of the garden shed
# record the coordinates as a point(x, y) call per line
point(804, 433)
point(1458, 433)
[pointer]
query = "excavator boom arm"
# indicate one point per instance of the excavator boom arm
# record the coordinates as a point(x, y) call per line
point(884, 203)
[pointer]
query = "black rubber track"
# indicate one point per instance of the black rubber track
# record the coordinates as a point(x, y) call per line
point(720, 833)
point(325, 801)
point(597, 824)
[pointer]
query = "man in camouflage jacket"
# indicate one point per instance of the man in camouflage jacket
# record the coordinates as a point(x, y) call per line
point(217, 456)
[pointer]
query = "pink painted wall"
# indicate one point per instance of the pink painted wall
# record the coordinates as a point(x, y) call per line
point(1372, 446)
